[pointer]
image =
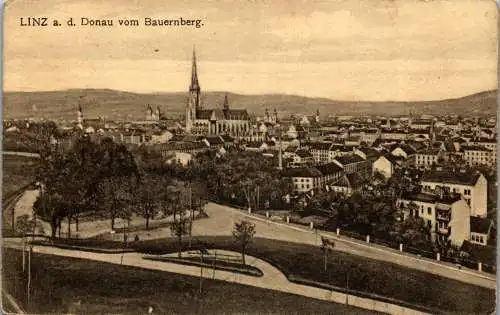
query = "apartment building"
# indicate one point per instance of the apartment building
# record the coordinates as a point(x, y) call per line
point(445, 215)
point(428, 157)
point(478, 155)
point(306, 179)
point(471, 185)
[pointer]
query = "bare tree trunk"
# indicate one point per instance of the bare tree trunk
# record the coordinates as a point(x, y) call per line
point(69, 226)
point(112, 221)
point(147, 222)
point(179, 240)
point(13, 219)
point(76, 221)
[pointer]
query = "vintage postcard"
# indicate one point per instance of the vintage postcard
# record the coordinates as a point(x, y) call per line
point(249, 157)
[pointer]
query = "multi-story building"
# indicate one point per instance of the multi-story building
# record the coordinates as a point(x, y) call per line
point(337, 150)
point(421, 124)
point(478, 155)
point(306, 179)
point(370, 135)
point(386, 165)
point(320, 151)
point(394, 134)
point(446, 215)
point(193, 148)
point(353, 163)
point(428, 157)
point(471, 185)
point(300, 157)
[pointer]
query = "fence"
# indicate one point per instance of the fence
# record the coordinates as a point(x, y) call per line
point(459, 260)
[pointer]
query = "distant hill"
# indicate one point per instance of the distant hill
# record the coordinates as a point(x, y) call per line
point(119, 105)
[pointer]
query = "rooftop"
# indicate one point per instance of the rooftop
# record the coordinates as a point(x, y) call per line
point(451, 177)
point(302, 172)
point(474, 148)
point(430, 197)
point(480, 225)
point(329, 168)
point(349, 159)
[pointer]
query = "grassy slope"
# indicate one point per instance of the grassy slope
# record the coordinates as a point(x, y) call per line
point(366, 275)
point(125, 105)
point(59, 282)
point(17, 171)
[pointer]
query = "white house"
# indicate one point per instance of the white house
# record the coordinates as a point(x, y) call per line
point(161, 136)
point(480, 229)
point(471, 185)
point(446, 215)
point(384, 166)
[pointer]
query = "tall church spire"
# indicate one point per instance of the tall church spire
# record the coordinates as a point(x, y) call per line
point(226, 103)
point(195, 85)
point(79, 116)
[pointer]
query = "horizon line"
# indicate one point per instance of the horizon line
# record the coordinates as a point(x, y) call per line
point(252, 94)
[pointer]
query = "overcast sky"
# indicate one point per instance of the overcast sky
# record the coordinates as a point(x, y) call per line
point(344, 49)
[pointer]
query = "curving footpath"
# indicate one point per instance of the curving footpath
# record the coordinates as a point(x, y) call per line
point(273, 278)
point(222, 219)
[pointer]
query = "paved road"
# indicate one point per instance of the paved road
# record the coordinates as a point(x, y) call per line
point(273, 278)
point(222, 219)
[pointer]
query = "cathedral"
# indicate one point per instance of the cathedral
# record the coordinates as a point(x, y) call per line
point(217, 121)
point(151, 115)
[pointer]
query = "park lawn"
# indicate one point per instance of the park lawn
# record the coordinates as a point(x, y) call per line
point(365, 275)
point(301, 261)
point(69, 285)
point(18, 171)
point(209, 262)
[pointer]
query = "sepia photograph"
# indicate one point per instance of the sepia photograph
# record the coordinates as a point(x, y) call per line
point(249, 157)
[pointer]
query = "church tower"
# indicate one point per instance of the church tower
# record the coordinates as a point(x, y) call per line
point(275, 117)
point(316, 118)
point(79, 117)
point(225, 107)
point(193, 103)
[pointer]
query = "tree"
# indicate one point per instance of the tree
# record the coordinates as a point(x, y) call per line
point(243, 232)
point(413, 232)
point(148, 197)
point(115, 196)
point(326, 245)
point(174, 204)
point(25, 225)
point(49, 207)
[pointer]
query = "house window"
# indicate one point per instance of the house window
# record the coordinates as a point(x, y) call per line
point(429, 210)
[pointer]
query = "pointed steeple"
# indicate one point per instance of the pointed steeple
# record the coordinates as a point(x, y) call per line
point(195, 85)
point(226, 103)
